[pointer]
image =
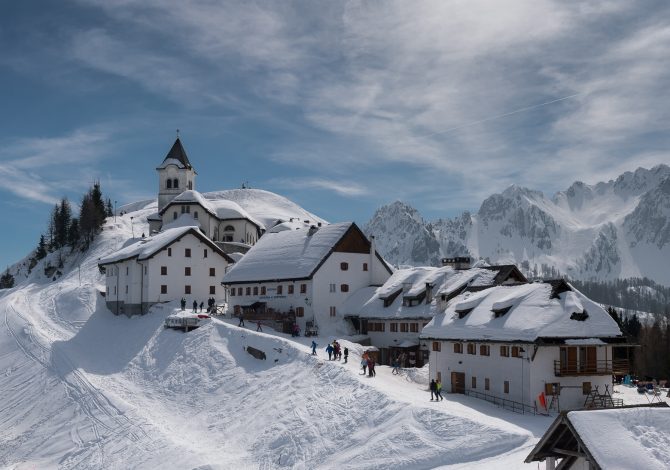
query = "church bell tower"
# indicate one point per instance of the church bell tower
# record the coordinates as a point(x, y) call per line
point(175, 175)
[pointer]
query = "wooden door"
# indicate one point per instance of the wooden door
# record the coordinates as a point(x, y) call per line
point(457, 382)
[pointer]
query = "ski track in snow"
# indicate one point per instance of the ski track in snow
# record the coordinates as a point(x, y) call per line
point(82, 388)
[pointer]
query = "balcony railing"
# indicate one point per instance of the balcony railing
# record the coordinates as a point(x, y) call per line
point(602, 367)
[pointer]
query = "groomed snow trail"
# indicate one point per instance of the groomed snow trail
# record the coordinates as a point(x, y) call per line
point(82, 388)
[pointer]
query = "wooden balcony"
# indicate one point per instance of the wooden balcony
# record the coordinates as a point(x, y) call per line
point(602, 367)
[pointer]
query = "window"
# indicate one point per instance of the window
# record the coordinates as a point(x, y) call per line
point(187, 252)
point(516, 351)
point(333, 288)
point(163, 270)
point(169, 251)
point(163, 289)
point(280, 290)
point(506, 386)
point(437, 346)
point(212, 290)
point(414, 327)
point(484, 350)
point(187, 289)
point(299, 311)
point(290, 289)
point(303, 288)
point(344, 288)
point(365, 266)
point(487, 384)
point(472, 348)
point(586, 388)
point(394, 327)
point(344, 266)
point(204, 254)
point(248, 290)
point(504, 351)
point(195, 214)
point(255, 290)
point(262, 290)
point(333, 311)
point(474, 382)
point(212, 272)
point(168, 184)
point(404, 327)
point(458, 348)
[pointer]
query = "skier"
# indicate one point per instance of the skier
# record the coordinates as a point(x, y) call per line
point(346, 354)
point(195, 306)
point(438, 389)
point(314, 345)
point(241, 320)
point(329, 350)
point(258, 326)
point(183, 304)
point(433, 389)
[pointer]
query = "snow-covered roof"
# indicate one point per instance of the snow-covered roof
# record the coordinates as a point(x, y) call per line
point(222, 209)
point(369, 302)
point(291, 254)
point(149, 246)
point(616, 438)
point(525, 312)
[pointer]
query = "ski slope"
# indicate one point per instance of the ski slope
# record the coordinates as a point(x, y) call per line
point(82, 388)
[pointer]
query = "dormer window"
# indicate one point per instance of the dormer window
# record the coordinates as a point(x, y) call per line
point(579, 316)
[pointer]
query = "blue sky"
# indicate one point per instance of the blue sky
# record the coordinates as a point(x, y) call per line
point(340, 106)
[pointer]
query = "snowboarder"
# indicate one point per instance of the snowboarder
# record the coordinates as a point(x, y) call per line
point(346, 354)
point(314, 345)
point(202, 304)
point(433, 389)
point(438, 390)
point(329, 350)
point(241, 320)
point(258, 326)
point(183, 304)
point(195, 306)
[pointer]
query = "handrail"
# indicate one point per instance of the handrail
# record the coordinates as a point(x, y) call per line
point(515, 406)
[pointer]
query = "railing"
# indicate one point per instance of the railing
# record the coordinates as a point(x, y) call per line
point(515, 406)
point(602, 367)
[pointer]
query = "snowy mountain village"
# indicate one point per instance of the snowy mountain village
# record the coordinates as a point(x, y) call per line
point(482, 333)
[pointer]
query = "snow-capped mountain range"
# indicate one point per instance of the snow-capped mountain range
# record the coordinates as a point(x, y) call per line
point(617, 229)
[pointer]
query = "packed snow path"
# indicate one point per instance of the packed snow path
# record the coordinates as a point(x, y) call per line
point(83, 388)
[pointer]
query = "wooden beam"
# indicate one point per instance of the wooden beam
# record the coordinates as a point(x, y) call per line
point(571, 453)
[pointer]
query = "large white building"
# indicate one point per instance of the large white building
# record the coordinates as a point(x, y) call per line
point(177, 263)
point(307, 271)
point(518, 342)
point(393, 315)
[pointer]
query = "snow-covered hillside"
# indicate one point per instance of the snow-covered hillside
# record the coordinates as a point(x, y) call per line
point(604, 231)
point(83, 388)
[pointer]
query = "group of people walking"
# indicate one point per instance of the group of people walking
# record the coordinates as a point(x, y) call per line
point(211, 305)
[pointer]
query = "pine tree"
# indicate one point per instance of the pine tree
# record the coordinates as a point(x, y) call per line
point(41, 250)
point(6, 280)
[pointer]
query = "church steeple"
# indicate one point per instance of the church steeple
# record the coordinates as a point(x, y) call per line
point(175, 174)
point(177, 153)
